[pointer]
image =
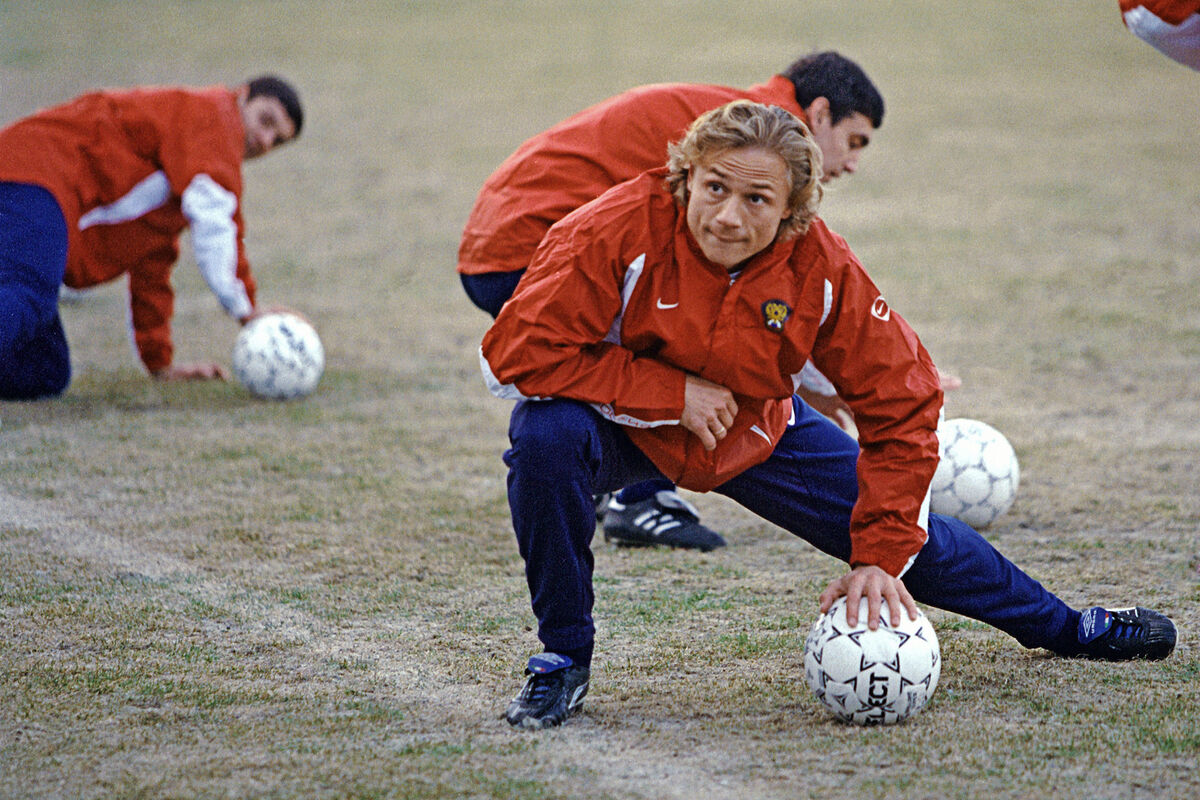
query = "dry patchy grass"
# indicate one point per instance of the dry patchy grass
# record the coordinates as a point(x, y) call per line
point(203, 595)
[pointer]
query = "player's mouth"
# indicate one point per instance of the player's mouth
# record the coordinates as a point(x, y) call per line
point(728, 238)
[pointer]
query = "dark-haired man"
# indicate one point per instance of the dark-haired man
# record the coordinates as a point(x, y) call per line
point(104, 185)
point(580, 158)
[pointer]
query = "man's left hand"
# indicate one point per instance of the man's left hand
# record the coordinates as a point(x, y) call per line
point(262, 312)
point(874, 584)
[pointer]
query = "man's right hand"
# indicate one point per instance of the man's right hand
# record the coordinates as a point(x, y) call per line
point(708, 410)
point(198, 371)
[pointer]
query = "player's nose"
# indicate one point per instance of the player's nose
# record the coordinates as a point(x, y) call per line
point(728, 214)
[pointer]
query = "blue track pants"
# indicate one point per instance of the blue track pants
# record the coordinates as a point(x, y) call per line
point(34, 361)
point(563, 453)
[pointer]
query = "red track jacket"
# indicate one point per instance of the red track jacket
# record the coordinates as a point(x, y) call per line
point(1172, 12)
point(620, 304)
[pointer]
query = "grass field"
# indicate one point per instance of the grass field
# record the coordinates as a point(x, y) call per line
point(204, 595)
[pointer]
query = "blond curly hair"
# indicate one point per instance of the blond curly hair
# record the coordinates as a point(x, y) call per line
point(744, 123)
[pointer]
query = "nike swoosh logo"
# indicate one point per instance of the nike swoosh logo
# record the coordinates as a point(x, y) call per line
point(663, 305)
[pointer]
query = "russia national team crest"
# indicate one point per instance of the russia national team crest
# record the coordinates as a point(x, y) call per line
point(775, 313)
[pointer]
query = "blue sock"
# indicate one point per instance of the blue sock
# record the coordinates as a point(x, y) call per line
point(644, 490)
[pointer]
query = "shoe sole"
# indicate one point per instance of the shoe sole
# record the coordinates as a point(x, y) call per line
point(622, 537)
point(536, 724)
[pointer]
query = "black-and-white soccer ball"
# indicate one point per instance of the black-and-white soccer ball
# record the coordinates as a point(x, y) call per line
point(977, 479)
point(278, 356)
point(872, 677)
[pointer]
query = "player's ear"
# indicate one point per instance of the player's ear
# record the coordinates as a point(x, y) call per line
point(689, 177)
point(818, 112)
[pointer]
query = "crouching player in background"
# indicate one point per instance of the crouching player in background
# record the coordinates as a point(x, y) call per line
point(104, 185)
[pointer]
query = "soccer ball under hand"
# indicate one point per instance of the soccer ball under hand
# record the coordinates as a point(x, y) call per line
point(278, 356)
point(872, 677)
point(977, 478)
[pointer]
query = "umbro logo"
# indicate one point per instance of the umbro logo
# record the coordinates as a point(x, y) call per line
point(665, 306)
point(880, 309)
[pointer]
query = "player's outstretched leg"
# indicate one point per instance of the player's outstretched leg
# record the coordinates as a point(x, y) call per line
point(960, 571)
point(808, 486)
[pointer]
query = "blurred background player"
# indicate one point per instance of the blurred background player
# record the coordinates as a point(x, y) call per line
point(104, 185)
point(1170, 26)
point(575, 161)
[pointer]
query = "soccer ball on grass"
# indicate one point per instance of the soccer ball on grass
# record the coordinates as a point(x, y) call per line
point(278, 356)
point(872, 677)
point(977, 478)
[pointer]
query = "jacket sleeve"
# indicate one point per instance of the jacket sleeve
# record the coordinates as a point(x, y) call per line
point(216, 225)
point(201, 153)
point(558, 335)
point(887, 378)
point(151, 305)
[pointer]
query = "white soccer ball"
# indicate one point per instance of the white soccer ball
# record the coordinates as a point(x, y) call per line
point(872, 677)
point(278, 356)
point(977, 478)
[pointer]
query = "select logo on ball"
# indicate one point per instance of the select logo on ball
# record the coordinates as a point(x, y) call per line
point(872, 677)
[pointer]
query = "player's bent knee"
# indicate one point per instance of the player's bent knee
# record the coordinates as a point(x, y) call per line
point(547, 431)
